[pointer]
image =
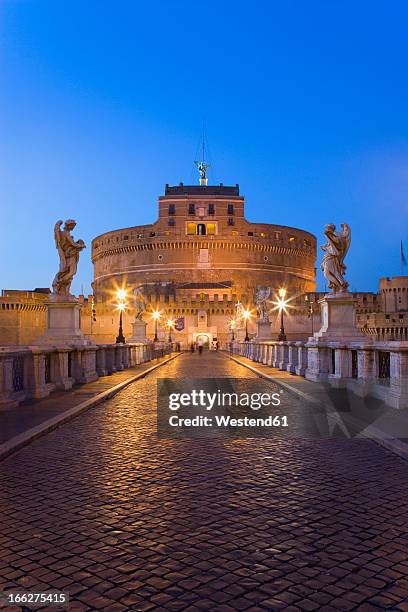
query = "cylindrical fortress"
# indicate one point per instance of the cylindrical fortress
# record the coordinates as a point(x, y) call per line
point(202, 253)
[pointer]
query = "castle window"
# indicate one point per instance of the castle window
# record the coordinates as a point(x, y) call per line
point(250, 233)
point(172, 221)
point(263, 235)
point(152, 234)
point(201, 229)
point(125, 237)
point(191, 209)
point(306, 242)
point(230, 221)
point(291, 238)
point(278, 235)
point(191, 229)
point(211, 229)
point(172, 209)
point(230, 210)
point(211, 209)
point(235, 232)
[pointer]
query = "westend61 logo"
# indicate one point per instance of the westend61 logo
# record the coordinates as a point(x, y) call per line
point(192, 408)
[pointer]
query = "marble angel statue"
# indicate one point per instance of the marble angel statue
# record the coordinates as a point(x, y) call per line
point(139, 301)
point(333, 267)
point(261, 296)
point(68, 251)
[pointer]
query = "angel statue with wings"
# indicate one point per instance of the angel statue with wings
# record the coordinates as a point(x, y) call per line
point(239, 310)
point(139, 301)
point(68, 251)
point(261, 296)
point(333, 268)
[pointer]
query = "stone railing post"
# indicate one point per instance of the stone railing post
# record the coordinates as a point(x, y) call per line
point(293, 355)
point(9, 396)
point(37, 386)
point(60, 374)
point(271, 354)
point(367, 365)
point(110, 358)
point(318, 362)
point(101, 356)
point(88, 373)
point(342, 363)
point(284, 355)
point(126, 356)
point(301, 367)
point(398, 396)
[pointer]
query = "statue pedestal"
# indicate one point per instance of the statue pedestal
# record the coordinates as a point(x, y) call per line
point(64, 323)
point(263, 330)
point(138, 332)
point(338, 315)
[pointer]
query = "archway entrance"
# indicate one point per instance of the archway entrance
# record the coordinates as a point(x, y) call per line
point(204, 338)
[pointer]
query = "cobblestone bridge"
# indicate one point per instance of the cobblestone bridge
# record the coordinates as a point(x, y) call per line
point(123, 521)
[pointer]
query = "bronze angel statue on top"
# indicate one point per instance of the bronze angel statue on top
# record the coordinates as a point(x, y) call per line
point(68, 251)
point(333, 267)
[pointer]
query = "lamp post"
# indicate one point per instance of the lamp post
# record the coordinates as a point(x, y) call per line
point(232, 327)
point(121, 296)
point(156, 316)
point(281, 306)
point(246, 314)
point(310, 310)
point(170, 325)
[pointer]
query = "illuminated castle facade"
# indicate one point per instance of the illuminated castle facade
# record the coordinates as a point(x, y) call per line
point(196, 262)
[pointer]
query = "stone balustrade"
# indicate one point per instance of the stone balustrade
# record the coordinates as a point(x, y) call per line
point(376, 368)
point(28, 373)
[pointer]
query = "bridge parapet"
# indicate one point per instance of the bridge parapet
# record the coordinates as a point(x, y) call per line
point(379, 369)
point(33, 372)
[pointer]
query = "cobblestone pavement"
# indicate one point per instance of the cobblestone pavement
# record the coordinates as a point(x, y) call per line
point(123, 521)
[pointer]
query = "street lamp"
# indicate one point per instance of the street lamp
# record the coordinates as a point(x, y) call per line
point(170, 325)
point(310, 310)
point(156, 316)
point(120, 339)
point(232, 327)
point(246, 314)
point(281, 306)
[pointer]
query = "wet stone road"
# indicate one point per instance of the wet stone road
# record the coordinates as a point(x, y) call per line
point(123, 521)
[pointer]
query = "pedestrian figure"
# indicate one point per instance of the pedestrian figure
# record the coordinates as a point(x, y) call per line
point(200, 346)
point(192, 347)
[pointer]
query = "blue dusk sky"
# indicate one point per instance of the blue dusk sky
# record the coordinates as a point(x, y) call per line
point(102, 101)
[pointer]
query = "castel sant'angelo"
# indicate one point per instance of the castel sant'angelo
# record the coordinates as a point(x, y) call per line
point(196, 262)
